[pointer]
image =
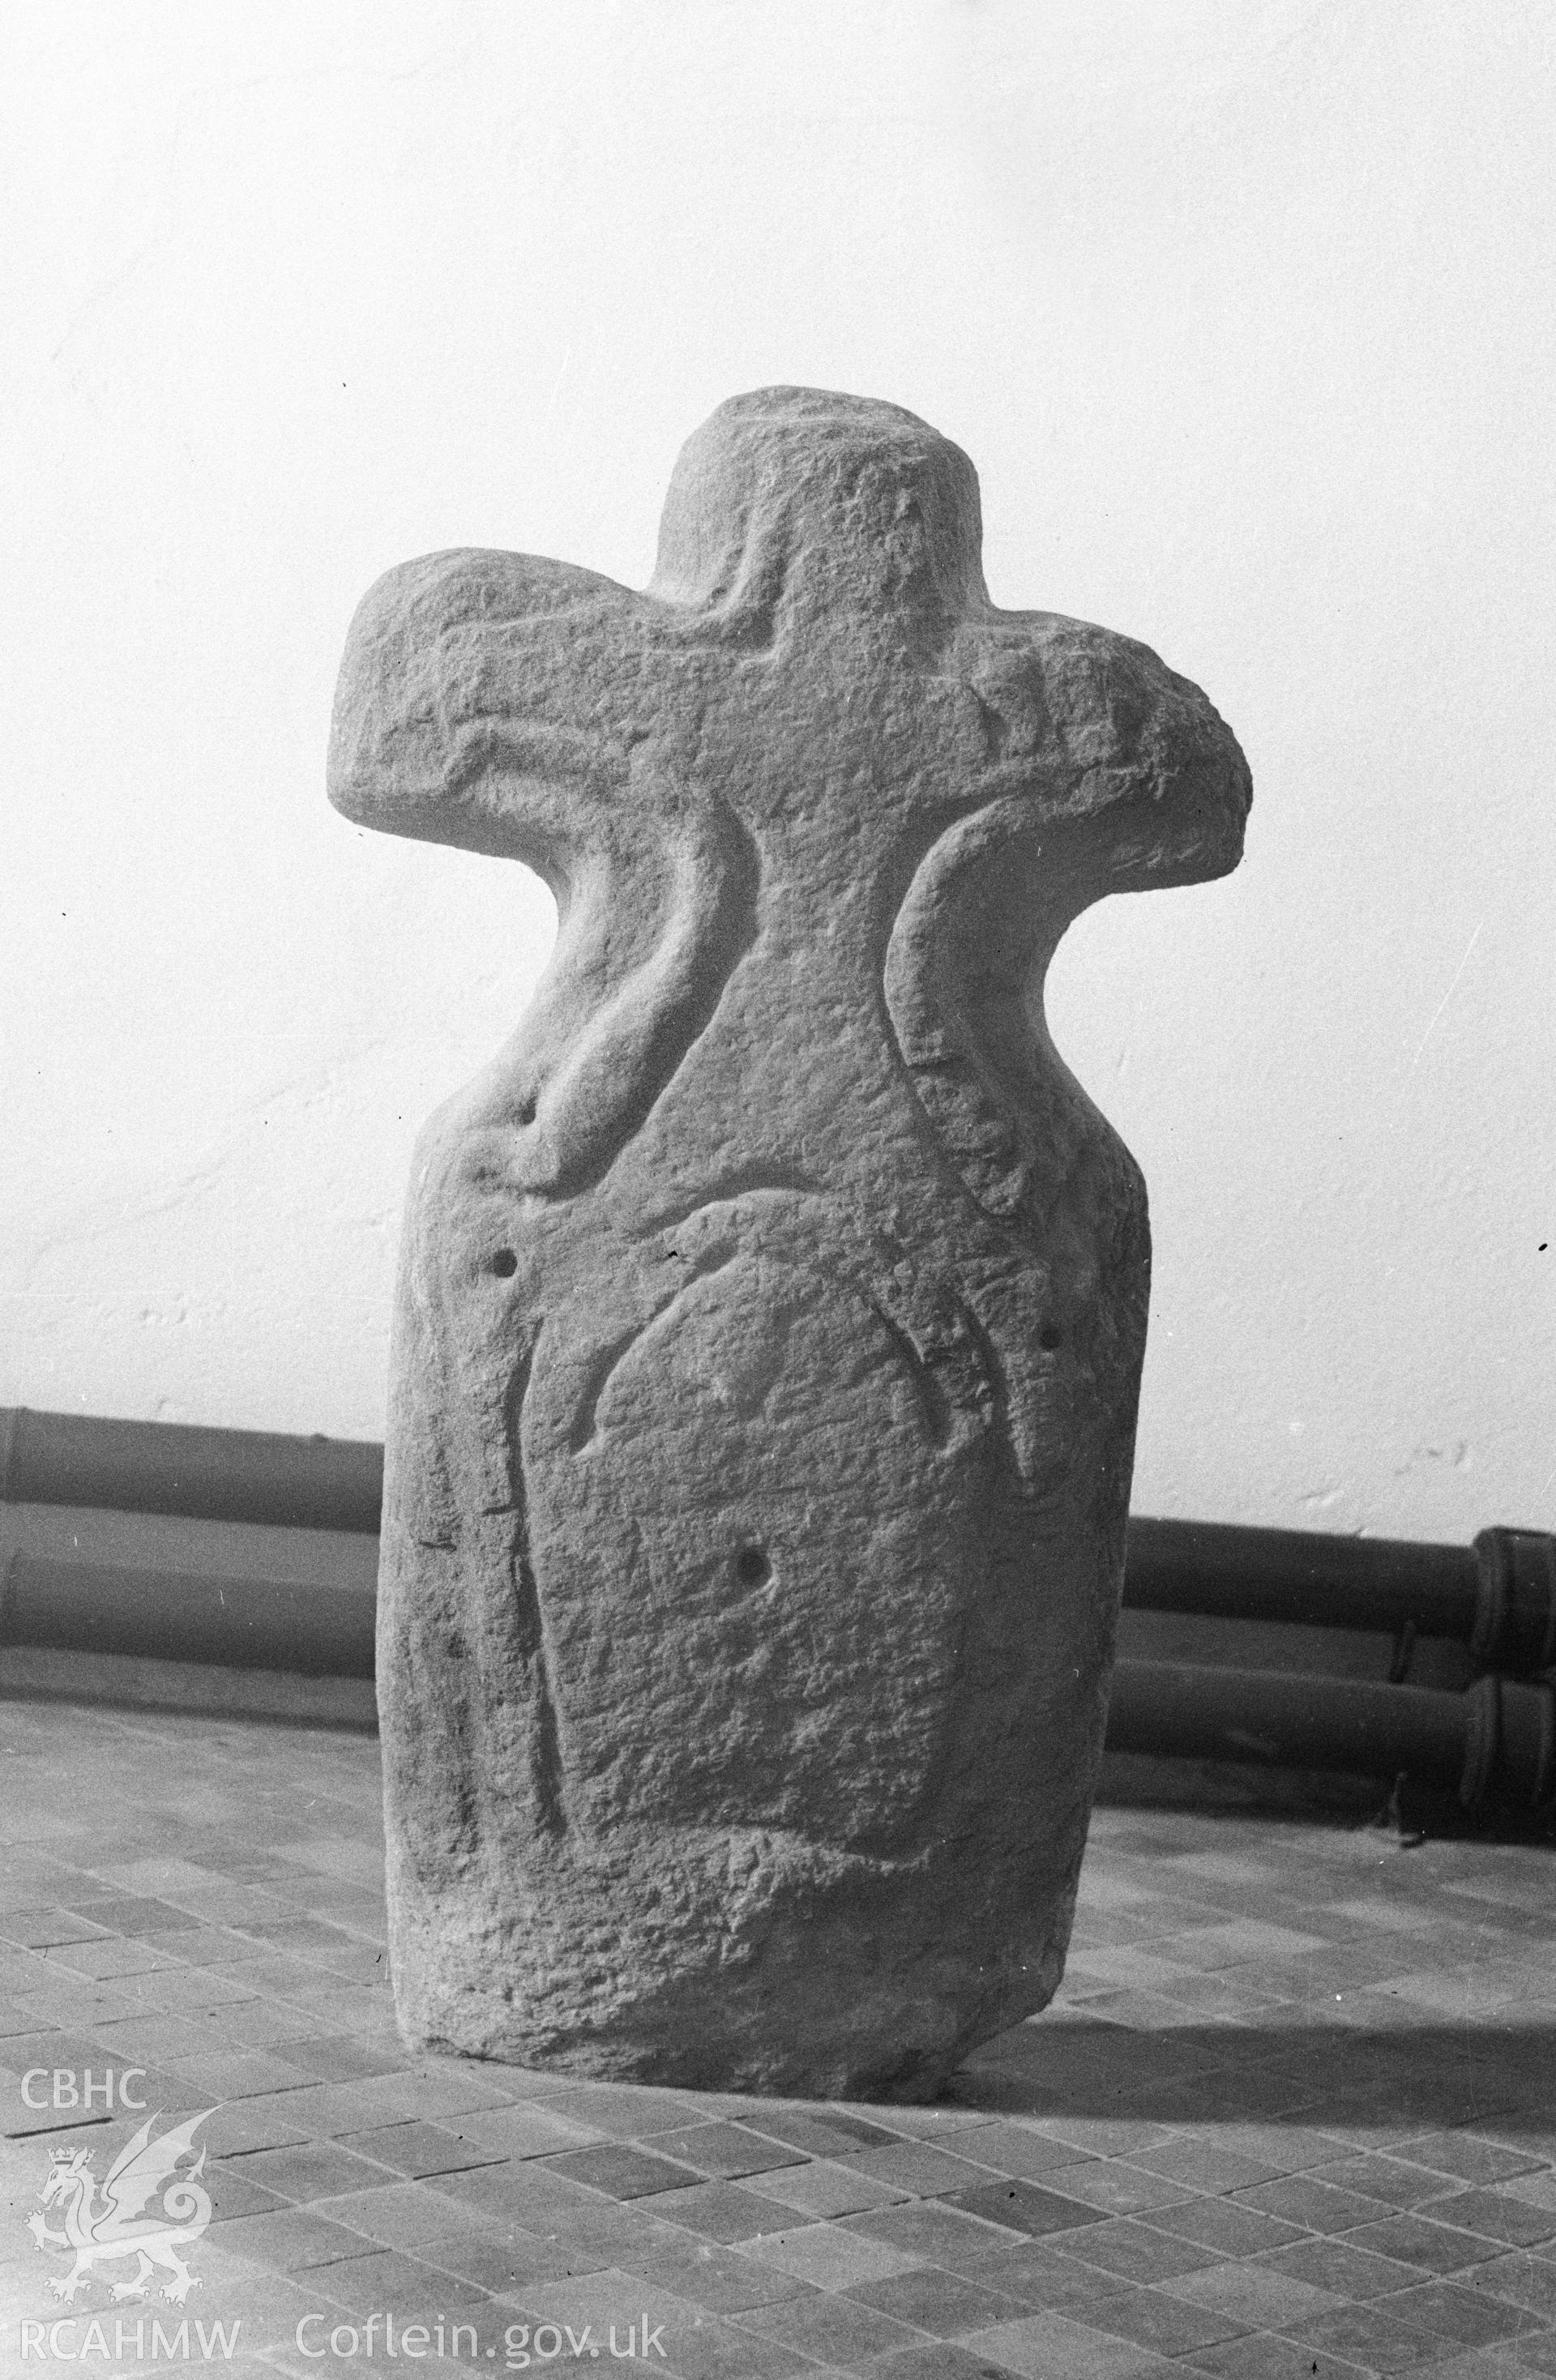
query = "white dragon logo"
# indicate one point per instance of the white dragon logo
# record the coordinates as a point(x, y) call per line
point(101, 2230)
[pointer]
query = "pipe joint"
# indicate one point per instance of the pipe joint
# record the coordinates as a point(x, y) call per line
point(1510, 1745)
point(1514, 1629)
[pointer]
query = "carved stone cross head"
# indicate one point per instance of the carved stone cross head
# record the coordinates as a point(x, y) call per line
point(772, 1308)
point(813, 688)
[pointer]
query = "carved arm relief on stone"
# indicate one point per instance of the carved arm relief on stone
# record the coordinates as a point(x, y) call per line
point(772, 1308)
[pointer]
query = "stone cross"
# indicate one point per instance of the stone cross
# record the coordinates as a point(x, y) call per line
point(772, 1307)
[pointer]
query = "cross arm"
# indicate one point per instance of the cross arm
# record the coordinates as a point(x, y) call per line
point(1091, 730)
point(519, 707)
point(486, 699)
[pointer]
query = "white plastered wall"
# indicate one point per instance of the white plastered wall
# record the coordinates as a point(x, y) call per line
point(1245, 314)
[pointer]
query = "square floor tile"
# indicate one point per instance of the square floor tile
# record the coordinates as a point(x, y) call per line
point(725, 2211)
point(1497, 2214)
point(1468, 2316)
point(839, 2332)
point(420, 2150)
point(1021, 2150)
point(724, 2152)
point(312, 2170)
point(1053, 2347)
point(621, 2171)
point(1151, 2318)
point(821, 2187)
point(1134, 2251)
point(1114, 2187)
point(1469, 2157)
point(937, 2234)
point(726, 2280)
point(1374, 2335)
point(1416, 2240)
point(947, 2305)
point(1025, 2206)
point(1311, 2205)
point(820, 2131)
point(829, 2257)
point(1256, 2295)
point(290, 2241)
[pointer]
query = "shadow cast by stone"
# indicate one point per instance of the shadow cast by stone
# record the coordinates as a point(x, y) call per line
point(1306, 2076)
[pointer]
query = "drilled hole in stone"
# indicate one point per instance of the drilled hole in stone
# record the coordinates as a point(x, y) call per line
point(752, 1567)
point(1051, 1338)
point(505, 1264)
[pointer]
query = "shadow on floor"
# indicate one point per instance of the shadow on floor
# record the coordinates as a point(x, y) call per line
point(1347, 2080)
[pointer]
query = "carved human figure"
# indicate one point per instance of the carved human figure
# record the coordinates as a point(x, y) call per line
point(772, 1308)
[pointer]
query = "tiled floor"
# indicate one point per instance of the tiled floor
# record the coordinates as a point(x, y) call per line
point(1293, 2113)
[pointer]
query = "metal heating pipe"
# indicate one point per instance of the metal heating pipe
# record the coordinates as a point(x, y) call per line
point(1493, 1744)
point(203, 1474)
